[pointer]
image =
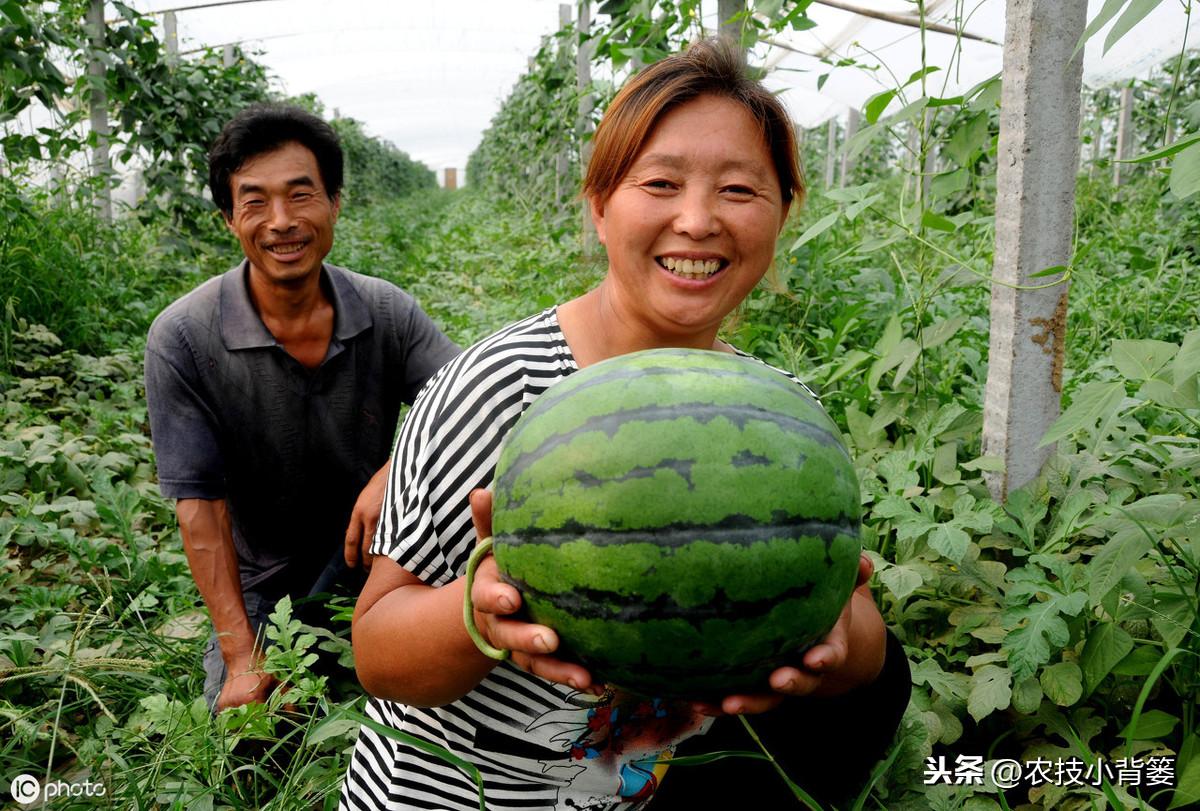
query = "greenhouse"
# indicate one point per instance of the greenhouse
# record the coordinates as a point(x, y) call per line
point(986, 271)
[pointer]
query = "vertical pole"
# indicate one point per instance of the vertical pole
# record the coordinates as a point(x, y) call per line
point(1124, 134)
point(830, 153)
point(562, 164)
point(171, 37)
point(450, 178)
point(732, 16)
point(583, 117)
point(929, 169)
point(852, 123)
point(1037, 157)
point(98, 119)
point(229, 56)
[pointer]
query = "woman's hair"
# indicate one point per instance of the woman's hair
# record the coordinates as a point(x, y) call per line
point(262, 128)
point(708, 67)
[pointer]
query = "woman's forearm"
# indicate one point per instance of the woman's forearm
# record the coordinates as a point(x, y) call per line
point(410, 645)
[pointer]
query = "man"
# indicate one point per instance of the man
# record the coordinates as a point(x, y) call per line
point(274, 391)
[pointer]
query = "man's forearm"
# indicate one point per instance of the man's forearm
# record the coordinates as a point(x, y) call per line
point(208, 543)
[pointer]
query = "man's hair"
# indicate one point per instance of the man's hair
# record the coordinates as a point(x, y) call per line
point(709, 67)
point(261, 128)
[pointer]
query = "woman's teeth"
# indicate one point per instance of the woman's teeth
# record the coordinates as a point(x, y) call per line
point(691, 268)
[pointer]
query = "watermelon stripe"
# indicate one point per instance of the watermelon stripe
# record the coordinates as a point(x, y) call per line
point(610, 423)
point(607, 605)
point(738, 530)
point(739, 369)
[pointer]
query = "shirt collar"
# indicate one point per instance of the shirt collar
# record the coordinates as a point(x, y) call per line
point(242, 328)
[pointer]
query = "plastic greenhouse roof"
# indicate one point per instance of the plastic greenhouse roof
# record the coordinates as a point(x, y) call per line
point(430, 77)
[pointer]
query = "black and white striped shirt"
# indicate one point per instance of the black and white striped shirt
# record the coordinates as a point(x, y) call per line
point(534, 748)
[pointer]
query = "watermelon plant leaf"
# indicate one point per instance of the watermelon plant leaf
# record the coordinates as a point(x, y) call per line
point(991, 690)
point(1042, 629)
point(1063, 683)
point(1027, 696)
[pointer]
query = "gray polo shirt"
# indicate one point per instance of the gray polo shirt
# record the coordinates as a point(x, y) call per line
point(234, 416)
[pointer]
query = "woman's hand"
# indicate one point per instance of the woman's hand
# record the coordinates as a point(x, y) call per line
point(850, 656)
point(495, 601)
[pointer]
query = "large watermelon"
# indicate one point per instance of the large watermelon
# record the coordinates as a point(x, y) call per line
point(687, 521)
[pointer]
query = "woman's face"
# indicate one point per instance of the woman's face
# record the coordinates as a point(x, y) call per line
point(691, 228)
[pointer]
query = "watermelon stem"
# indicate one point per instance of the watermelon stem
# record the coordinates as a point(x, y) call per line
point(802, 795)
point(477, 555)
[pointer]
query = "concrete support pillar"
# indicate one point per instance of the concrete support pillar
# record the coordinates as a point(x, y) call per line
point(171, 37)
point(1037, 156)
point(98, 106)
point(583, 117)
point(229, 56)
point(731, 14)
point(831, 153)
point(1125, 135)
point(450, 178)
point(852, 122)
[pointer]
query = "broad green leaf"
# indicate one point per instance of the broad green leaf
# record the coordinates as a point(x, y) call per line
point(953, 686)
point(1063, 683)
point(819, 227)
point(858, 142)
point(949, 541)
point(1164, 394)
point(852, 194)
point(938, 333)
point(1044, 631)
point(1134, 14)
point(991, 464)
point(1187, 787)
point(877, 104)
point(1142, 360)
point(1114, 559)
point(1185, 172)
point(991, 690)
point(901, 580)
point(1152, 725)
point(1172, 618)
point(969, 139)
point(1166, 151)
point(930, 219)
point(1107, 12)
point(1092, 403)
point(948, 183)
point(1107, 644)
point(1138, 663)
point(1027, 696)
point(854, 209)
point(1187, 361)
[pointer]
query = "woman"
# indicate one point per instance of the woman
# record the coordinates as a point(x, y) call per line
point(692, 177)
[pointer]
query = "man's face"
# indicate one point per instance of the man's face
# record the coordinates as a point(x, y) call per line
point(282, 214)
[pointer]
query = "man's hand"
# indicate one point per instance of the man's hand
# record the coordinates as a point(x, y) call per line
point(851, 655)
point(364, 518)
point(246, 683)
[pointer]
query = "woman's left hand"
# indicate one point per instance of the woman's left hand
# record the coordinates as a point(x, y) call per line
point(850, 656)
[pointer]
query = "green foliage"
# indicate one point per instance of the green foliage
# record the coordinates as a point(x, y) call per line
point(534, 132)
point(376, 171)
